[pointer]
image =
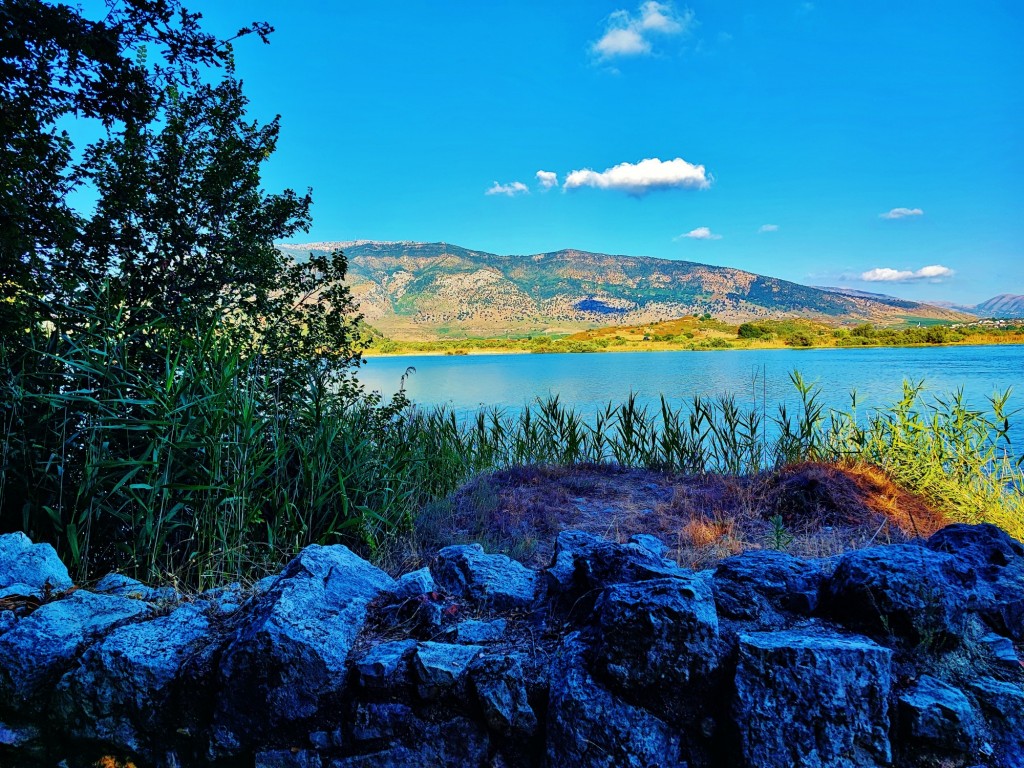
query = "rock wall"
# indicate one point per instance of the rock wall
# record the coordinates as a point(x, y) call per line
point(900, 655)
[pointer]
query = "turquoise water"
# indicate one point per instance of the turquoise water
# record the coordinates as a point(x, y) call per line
point(590, 380)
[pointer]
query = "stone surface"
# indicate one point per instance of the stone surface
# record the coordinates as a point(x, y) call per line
point(998, 562)
point(494, 581)
point(386, 665)
point(588, 727)
point(474, 632)
point(288, 758)
point(291, 649)
point(125, 586)
point(813, 700)
point(32, 566)
point(656, 636)
point(499, 685)
point(940, 722)
point(439, 667)
point(764, 585)
point(118, 692)
point(903, 590)
point(414, 584)
point(1002, 707)
point(42, 646)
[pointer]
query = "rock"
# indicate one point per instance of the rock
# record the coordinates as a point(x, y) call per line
point(1002, 707)
point(439, 667)
point(938, 724)
point(499, 685)
point(291, 649)
point(998, 561)
point(381, 724)
point(1001, 648)
point(224, 600)
point(385, 666)
point(473, 632)
point(118, 691)
point(588, 727)
point(43, 645)
point(125, 586)
point(414, 584)
point(656, 637)
point(494, 581)
point(18, 736)
point(652, 544)
point(32, 566)
point(583, 564)
point(763, 585)
point(456, 742)
point(902, 590)
point(812, 699)
point(287, 758)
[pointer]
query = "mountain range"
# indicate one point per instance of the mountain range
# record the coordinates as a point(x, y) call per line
point(415, 291)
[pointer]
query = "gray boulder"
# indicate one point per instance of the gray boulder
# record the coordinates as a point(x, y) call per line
point(500, 688)
point(903, 590)
point(938, 725)
point(385, 666)
point(288, 758)
point(813, 700)
point(764, 585)
point(291, 648)
point(494, 581)
point(32, 567)
point(475, 632)
point(656, 636)
point(588, 727)
point(1002, 707)
point(125, 586)
point(455, 742)
point(440, 667)
point(997, 560)
point(412, 585)
point(118, 691)
point(43, 645)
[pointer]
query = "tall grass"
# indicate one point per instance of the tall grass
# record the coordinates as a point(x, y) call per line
point(200, 465)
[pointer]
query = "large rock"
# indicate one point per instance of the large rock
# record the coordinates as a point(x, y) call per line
point(998, 561)
point(501, 691)
point(400, 739)
point(125, 586)
point(30, 569)
point(385, 666)
point(588, 727)
point(291, 649)
point(811, 699)
point(118, 692)
point(494, 581)
point(903, 590)
point(656, 637)
point(1002, 706)
point(764, 586)
point(938, 725)
point(42, 646)
point(441, 667)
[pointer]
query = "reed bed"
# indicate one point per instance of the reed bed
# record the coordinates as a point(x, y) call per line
point(208, 466)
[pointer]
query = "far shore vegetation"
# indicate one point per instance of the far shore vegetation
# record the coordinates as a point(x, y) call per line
point(178, 399)
point(702, 333)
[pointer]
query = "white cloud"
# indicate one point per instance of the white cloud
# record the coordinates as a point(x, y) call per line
point(768, 228)
point(629, 34)
point(547, 179)
point(901, 213)
point(933, 273)
point(700, 233)
point(512, 189)
point(639, 178)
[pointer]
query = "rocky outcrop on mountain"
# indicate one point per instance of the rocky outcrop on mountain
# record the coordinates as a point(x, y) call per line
point(611, 655)
point(419, 290)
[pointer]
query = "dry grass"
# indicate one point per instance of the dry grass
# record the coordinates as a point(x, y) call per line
point(826, 508)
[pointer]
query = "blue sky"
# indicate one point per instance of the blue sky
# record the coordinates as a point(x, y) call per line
point(877, 145)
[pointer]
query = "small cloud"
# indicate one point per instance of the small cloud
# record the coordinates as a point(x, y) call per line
point(629, 34)
point(639, 178)
point(934, 273)
point(512, 189)
point(901, 213)
point(547, 179)
point(768, 228)
point(700, 233)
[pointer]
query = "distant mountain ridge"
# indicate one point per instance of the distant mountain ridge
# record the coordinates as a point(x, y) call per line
point(412, 290)
point(1007, 306)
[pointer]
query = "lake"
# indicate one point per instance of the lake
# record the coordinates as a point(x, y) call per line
point(467, 382)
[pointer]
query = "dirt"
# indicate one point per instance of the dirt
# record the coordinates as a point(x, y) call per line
point(808, 509)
